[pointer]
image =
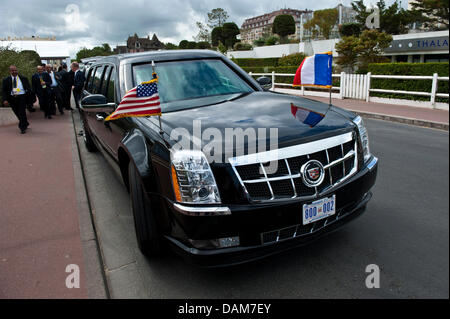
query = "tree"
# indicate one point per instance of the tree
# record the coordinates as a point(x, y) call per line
point(348, 56)
point(102, 50)
point(432, 12)
point(170, 46)
point(322, 22)
point(216, 36)
point(25, 61)
point(371, 46)
point(203, 34)
point(191, 45)
point(222, 48)
point(203, 45)
point(229, 32)
point(283, 25)
point(217, 17)
point(183, 44)
point(360, 51)
point(393, 19)
point(349, 29)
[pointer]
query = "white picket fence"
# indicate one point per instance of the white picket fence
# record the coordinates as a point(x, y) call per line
point(357, 86)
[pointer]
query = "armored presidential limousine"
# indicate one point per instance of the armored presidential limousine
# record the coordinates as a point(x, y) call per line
point(303, 168)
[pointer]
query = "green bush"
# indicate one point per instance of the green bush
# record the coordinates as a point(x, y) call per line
point(249, 62)
point(294, 59)
point(25, 61)
point(441, 68)
point(239, 46)
point(273, 40)
point(281, 69)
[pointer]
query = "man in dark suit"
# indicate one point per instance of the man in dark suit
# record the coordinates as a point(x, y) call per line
point(15, 91)
point(66, 82)
point(55, 91)
point(78, 83)
point(41, 82)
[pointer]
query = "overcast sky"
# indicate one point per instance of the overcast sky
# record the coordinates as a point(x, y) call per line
point(87, 23)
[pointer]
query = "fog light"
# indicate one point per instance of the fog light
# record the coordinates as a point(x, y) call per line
point(215, 243)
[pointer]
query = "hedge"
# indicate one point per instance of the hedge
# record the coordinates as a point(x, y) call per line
point(281, 69)
point(441, 68)
point(251, 62)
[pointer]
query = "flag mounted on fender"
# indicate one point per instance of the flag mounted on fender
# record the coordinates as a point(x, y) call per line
point(142, 100)
point(315, 71)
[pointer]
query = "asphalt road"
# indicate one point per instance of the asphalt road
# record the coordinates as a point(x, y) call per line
point(405, 231)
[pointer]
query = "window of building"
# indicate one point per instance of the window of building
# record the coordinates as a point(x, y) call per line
point(401, 58)
point(436, 58)
point(416, 58)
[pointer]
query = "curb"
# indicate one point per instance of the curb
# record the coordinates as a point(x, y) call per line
point(95, 277)
point(7, 117)
point(404, 120)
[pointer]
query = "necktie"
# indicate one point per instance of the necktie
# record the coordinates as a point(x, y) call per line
point(15, 82)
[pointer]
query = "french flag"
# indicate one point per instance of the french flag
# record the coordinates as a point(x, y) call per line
point(315, 70)
point(306, 116)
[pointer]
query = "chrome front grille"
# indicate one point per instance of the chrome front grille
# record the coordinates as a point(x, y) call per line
point(337, 154)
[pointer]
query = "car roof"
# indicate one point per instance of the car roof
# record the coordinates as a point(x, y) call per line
point(163, 55)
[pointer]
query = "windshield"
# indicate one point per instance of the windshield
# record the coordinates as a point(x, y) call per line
point(187, 80)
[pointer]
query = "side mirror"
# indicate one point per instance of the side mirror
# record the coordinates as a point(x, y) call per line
point(95, 101)
point(265, 82)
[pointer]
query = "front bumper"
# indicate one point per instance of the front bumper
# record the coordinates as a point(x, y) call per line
point(249, 222)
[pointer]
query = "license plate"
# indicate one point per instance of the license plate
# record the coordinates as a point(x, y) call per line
point(319, 209)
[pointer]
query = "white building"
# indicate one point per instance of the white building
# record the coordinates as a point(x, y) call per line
point(51, 52)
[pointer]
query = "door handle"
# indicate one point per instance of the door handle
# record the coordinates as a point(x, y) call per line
point(99, 117)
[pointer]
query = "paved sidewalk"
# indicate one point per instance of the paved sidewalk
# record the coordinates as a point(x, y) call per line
point(391, 112)
point(41, 210)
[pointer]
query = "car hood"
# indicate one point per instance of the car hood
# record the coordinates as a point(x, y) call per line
point(255, 112)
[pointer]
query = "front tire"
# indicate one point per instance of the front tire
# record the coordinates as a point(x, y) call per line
point(87, 138)
point(147, 234)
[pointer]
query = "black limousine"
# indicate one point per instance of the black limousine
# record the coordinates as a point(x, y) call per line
point(245, 202)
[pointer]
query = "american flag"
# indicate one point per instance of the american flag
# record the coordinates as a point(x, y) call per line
point(142, 100)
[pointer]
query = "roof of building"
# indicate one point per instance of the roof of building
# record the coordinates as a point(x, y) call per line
point(45, 49)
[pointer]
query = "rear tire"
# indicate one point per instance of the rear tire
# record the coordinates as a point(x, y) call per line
point(90, 146)
point(147, 234)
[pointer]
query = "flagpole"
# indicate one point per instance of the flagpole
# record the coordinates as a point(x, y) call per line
point(330, 98)
point(159, 116)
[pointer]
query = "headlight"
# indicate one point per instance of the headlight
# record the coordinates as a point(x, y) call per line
point(363, 136)
point(192, 178)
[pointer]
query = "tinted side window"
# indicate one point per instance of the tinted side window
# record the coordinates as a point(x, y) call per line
point(105, 79)
point(97, 80)
point(90, 80)
point(110, 92)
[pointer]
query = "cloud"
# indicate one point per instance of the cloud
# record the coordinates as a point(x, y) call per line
point(93, 22)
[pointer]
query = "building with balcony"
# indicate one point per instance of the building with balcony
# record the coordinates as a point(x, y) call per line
point(261, 26)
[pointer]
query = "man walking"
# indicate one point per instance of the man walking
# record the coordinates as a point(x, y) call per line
point(14, 93)
point(66, 82)
point(55, 92)
point(78, 83)
point(41, 82)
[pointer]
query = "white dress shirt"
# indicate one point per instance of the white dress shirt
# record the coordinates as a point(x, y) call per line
point(54, 83)
point(20, 90)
